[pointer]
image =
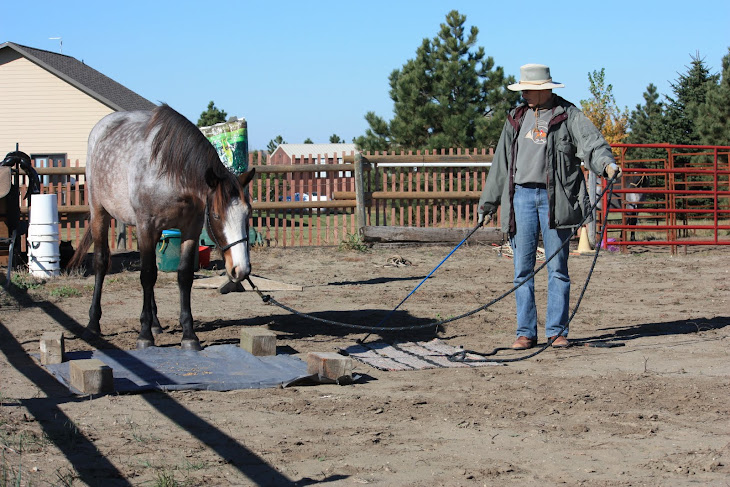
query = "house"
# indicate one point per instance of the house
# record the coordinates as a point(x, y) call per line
point(317, 186)
point(50, 102)
point(290, 154)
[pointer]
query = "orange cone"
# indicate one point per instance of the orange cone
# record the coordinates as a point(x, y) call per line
point(584, 246)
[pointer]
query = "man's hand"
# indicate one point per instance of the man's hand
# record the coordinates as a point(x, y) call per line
point(482, 214)
point(613, 171)
point(480, 220)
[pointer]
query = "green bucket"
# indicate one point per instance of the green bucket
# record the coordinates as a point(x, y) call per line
point(167, 251)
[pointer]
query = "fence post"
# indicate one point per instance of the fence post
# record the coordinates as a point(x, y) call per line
point(359, 193)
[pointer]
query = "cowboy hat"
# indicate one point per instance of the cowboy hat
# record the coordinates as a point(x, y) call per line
point(535, 77)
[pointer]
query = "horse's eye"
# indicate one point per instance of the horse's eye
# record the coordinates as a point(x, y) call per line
point(215, 216)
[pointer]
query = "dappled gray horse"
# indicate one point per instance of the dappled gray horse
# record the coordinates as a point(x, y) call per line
point(629, 200)
point(156, 170)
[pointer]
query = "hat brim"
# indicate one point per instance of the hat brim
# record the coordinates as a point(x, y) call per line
point(529, 87)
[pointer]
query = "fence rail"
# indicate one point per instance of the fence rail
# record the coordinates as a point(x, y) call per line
point(685, 202)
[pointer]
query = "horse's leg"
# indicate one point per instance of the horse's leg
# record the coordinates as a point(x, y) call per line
point(148, 278)
point(185, 283)
point(156, 327)
point(99, 231)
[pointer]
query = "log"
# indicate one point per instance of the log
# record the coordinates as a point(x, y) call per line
point(372, 234)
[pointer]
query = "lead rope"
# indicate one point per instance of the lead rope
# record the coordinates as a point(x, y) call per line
point(460, 356)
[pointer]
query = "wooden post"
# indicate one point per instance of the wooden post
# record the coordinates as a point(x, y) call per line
point(359, 193)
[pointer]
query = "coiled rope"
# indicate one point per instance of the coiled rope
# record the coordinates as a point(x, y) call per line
point(460, 356)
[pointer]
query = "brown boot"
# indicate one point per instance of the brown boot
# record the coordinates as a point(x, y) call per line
point(560, 341)
point(523, 343)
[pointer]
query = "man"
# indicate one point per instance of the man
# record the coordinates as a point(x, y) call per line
point(536, 176)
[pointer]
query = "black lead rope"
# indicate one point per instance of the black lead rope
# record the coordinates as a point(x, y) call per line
point(460, 356)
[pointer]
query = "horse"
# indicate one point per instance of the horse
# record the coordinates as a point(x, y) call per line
point(632, 201)
point(155, 170)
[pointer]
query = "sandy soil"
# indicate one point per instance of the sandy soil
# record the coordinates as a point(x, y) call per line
point(653, 412)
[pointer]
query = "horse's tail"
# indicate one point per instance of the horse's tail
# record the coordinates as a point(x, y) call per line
point(81, 251)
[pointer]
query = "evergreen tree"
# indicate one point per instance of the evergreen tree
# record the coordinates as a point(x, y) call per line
point(211, 116)
point(335, 139)
point(274, 143)
point(646, 121)
point(713, 116)
point(690, 90)
point(308, 141)
point(602, 109)
point(450, 95)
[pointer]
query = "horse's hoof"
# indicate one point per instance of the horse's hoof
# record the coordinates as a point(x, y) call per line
point(89, 334)
point(190, 345)
point(143, 343)
point(156, 330)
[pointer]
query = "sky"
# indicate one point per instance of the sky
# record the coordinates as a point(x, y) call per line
point(313, 69)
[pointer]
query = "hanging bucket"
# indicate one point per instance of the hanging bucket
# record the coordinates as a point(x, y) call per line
point(44, 259)
point(167, 251)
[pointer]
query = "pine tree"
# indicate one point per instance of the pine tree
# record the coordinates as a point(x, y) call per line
point(449, 95)
point(690, 90)
point(211, 116)
point(713, 116)
point(646, 120)
point(274, 143)
point(646, 125)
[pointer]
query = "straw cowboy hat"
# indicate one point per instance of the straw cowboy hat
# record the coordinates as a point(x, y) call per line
point(535, 77)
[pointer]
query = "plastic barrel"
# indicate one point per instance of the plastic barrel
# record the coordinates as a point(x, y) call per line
point(44, 257)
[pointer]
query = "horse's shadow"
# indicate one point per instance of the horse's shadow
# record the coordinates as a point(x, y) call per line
point(658, 329)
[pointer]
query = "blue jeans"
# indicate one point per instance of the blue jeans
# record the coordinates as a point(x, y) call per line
point(531, 218)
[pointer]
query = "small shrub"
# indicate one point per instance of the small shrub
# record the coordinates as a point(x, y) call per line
point(353, 242)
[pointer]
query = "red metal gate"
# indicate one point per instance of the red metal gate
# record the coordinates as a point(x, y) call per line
point(684, 197)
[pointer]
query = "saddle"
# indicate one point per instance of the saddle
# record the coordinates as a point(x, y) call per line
point(6, 181)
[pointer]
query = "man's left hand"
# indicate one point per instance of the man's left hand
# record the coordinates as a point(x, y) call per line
point(613, 171)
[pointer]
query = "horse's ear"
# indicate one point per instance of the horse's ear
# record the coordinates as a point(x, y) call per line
point(246, 177)
point(211, 178)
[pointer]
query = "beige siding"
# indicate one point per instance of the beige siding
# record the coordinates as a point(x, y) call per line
point(43, 113)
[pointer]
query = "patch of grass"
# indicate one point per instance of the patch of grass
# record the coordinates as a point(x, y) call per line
point(25, 281)
point(64, 292)
point(353, 242)
point(66, 477)
point(165, 478)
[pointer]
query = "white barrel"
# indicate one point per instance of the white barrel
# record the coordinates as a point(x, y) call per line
point(43, 209)
point(44, 256)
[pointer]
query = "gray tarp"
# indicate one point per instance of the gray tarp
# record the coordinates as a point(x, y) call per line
point(215, 368)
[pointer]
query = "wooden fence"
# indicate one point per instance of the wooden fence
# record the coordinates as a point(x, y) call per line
point(313, 204)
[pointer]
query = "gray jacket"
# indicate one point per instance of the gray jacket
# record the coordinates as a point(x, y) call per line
point(571, 138)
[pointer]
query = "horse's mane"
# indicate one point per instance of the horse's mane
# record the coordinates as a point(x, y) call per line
point(183, 152)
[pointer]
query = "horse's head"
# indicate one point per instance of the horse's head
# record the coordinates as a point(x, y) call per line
point(227, 214)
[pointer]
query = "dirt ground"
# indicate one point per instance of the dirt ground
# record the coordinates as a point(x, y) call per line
point(653, 412)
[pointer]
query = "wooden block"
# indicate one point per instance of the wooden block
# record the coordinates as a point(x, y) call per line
point(329, 365)
point(52, 348)
point(258, 341)
point(91, 376)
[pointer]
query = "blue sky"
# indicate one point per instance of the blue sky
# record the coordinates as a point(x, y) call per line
point(313, 69)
